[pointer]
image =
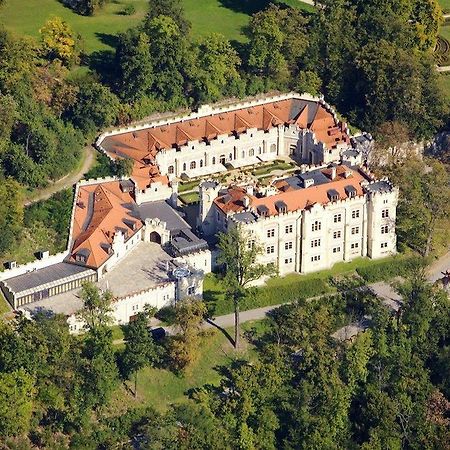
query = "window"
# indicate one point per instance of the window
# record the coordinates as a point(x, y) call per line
point(315, 258)
point(273, 148)
point(355, 214)
point(251, 244)
point(230, 156)
point(337, 218)
point(355, 230)
point(214, 160)
point(337, 234)
point(193, 165)
point(336, 249)
point(384, 229)
point(315, 243)
point(385, 202)
point(270, 249)
point(201, 163)
point(288, 260)
point(251, 152)
point(385, 213)
point(170, 170)
point(271, 232)
point(289, 229)
point(184, 166)
point(243, 154)
point(287, 245)
point(316, 226)
point(384, 245)
point(191, 290)
point(354, 245)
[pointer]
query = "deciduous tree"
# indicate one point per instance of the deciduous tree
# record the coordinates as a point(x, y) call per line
point(239, 256)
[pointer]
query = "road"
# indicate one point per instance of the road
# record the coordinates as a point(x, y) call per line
point(384, 290)
point(67, 181)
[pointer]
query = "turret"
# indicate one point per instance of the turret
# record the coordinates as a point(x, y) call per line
point(209, 190)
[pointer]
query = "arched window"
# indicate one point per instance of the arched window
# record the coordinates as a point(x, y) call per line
point(273, 148)
point(170, 170)
point(243, 154)
point(213, 160)
point(193, 165)
point(201, 163)
point(184, 166)
point(230, 156)
point(251, 152)
point(259, 150)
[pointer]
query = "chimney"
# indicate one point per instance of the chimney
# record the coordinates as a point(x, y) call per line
point(249, 189)
point(246, 201)
point(333, 172)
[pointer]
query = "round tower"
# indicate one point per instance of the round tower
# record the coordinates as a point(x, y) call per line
point(208, 190)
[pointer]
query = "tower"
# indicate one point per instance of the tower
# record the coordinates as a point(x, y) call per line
point(206, 220)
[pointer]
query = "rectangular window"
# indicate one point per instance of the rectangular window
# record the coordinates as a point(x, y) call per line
point(270, 249)
point(288, 260)
point(289, 228)
point(315, 243)
point(316, 226)
point(355, 214)
point(355, 230)
point(315, 258)
point(271, 232)
point(287, 245)
point(336, 249)
point(385, 213)
point(354, 245)
point(384, 229)
point(384, 245)
point(336, 234)
point(337, 218)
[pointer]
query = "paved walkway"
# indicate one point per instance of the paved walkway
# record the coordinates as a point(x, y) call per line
point(67, 181)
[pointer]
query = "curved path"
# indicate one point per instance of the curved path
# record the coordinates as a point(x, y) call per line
point(68, 181)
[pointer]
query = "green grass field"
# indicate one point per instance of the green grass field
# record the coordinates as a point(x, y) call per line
point(445, 5)
point(160, 387)
point(26, 17)
point(98, 32)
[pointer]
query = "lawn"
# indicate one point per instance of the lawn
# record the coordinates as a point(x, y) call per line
point(445, 5)
point(99, 32)
point(190, 197)
point(4, 305)
point(276, 165)
point(160, 387)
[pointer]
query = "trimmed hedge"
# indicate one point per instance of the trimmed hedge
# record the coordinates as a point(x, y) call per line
point(386, 270)
point(273, 294)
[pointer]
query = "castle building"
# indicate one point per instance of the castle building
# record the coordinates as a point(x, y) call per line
point(130, 235)
point(310, 221)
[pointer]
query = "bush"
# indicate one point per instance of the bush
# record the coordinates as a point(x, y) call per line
point(278, 291)
point(129, 10)
point(386, 270)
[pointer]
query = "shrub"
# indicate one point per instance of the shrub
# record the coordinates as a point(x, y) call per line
point(129, 10)
point(386, 270)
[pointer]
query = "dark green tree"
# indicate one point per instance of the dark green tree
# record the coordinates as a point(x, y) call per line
point(171, 8)
point(140, 349)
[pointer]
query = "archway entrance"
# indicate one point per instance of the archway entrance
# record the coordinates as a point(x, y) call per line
point(155, 237)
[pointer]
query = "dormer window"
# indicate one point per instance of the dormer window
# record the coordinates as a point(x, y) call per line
point(333, 195)
point(281, 207)
point(263, 210)
point(350, 191)
point(82, 255)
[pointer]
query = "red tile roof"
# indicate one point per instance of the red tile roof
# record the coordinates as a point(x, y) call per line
point(143, 145)
point(295, 199)
point(101, 210)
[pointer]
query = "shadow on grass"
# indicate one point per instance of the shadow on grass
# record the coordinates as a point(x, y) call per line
point(225, 332)
point(246, 6)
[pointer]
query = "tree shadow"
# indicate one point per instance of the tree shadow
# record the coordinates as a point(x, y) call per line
point(246, 6)
point(102, 62)
point(225, 332)
point(108, 39)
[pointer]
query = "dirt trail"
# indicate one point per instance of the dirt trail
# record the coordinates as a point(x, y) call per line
point(67, 181)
